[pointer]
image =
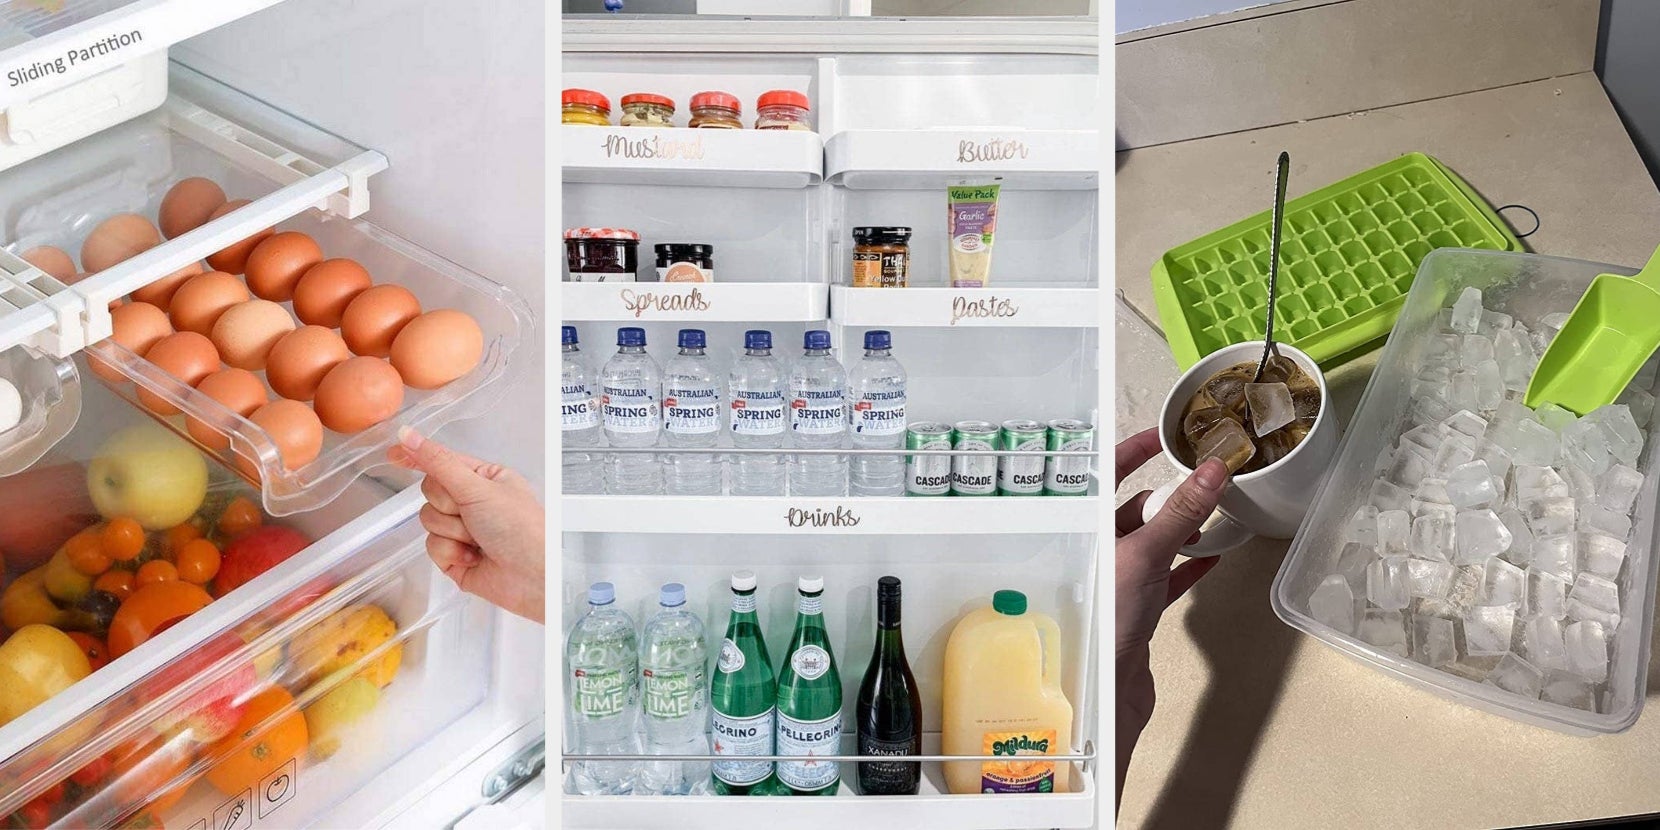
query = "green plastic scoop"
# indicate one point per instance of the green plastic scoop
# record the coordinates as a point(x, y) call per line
point(1613, 330)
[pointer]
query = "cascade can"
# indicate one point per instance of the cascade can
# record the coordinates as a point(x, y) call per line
point(974, 468)
point(743, 698)
point(928, 475)
point(1021, 475)
point(809, 699)
point(1068, 476)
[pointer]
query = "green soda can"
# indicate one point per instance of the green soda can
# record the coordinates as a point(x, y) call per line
point(928, 475)
point(1068, 476)
point(974, 468)
point(1021, 475)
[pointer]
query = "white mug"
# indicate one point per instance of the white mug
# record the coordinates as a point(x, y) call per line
point(1272, 501)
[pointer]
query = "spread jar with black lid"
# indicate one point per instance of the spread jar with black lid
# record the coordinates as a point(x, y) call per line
point(685, 262)
point(602, 254)
point(881, 257)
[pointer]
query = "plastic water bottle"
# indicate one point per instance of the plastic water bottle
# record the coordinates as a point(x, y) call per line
point(674, 665)
point(876, 414)
point(818, 419)
point(692, 405)
point(578, 419)
point(757, 386)
point(603, 686)
point(630, 405)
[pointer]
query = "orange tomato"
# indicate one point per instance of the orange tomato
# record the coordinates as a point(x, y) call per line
point(85, 551)
point(178, 537)
point(118, 582)
point(123, 539)
point(270, 733)
point(97, 654)
point(151, 608)
point(197, 561)
point(156, 570)
point(240, 516)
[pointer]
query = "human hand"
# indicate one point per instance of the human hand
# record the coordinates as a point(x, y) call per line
point(1145, 583)
point(485, 527)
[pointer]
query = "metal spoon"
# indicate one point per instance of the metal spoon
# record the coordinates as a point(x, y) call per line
point(1284, 170)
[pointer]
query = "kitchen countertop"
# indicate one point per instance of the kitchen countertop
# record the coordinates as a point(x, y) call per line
point(1258, 725)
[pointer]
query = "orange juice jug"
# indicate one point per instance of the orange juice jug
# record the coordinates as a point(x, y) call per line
point(1002, 696)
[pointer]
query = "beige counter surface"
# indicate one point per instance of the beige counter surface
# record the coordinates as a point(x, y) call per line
point(1258, 725)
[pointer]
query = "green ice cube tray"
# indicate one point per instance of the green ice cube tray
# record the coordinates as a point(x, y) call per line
point(1348, 254)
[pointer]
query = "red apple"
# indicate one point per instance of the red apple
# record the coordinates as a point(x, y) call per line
point(39, 510)
point(254, 553)
point(210, 713)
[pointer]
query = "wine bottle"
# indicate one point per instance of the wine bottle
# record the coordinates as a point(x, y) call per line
point(889, 711)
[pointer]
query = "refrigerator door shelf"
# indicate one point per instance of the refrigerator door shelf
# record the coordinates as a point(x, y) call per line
point(1016, 305)
point(836, 516)
point(715, 302)
point(686, 156)
point(930, 159)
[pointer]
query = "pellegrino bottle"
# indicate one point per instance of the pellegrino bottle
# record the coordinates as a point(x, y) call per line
point(889, 712)
point(809, 699)
point(743, 698)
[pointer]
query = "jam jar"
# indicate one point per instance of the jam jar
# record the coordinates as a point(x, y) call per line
point(782, 109)
point(602, 254)
point(642, 109)
point(716, 110)
point(584, 106)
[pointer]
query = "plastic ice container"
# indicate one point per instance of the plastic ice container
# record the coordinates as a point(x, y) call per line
point(1527, 287)
point(1347, 257)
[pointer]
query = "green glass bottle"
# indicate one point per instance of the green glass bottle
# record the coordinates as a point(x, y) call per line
point(742, 697)
point(889, 710)
point(809, 699)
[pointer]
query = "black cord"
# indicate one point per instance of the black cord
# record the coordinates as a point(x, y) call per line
point(1530, 212)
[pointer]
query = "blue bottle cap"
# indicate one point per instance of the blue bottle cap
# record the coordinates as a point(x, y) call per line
point(757, 339)
point(878, 339)
point(631, 336)
point(567, 335)
point(816, 340)
point(691, 338)
point(602, 593)
point(672, 595)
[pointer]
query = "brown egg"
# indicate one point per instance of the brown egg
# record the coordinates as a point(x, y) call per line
point(358, 394)
point(197, 304)
point(186, 355)
point(324, 291)
point(246, 332)
point(160, 293)
point(136, 326)
point(374, 318)
point(119, 238)
point(239, 390)
point(293, 428)
point(301, 359)
point(234, 258)
point(53, 261)
point(437, 347)
point(188, 205)
point(276, 265)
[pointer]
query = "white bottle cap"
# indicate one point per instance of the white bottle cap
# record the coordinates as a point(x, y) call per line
point(743, 581)
point(810, 584)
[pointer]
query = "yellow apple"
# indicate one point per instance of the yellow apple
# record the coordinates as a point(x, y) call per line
point(36, 663)
point(150, 475)
point(63, 582)
point(329, 721)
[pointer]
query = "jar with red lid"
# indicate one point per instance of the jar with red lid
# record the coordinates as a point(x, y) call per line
point(716, 110)
point(602, 254)
point(642, 109)
point(584, 106)
point(782, 109)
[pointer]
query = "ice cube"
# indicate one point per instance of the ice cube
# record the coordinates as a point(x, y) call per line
point(1466, 312)
point(1423, 440)
point(1363, 526)
point(1550, 516)
point(1474, 350)
point(1388, 583)
point(1497, 459)
point(1547, 594)
point(1407, 470)
point(1270, 406)
point(1534, 483)
point(1227, 441)
point(1333, 604)
point(1432, 641)
point(1554, 416)
point(1478, 535)
point(1386, 496)
point(1556, 554)
point(1584, 446)
point(1431, 580)
point(1517, 676)
point(1463, 390)
point(1227, 387)
point(1433, 490)
point(1640, 402)
point(1489, 385)
point(1513, 350)
point(1456, 451)
point(1506, 584)
point(1534, 444)
point(1352, 562)
point(1279, 443)
point(1488, 629)
point(1582, 488)
point(1466, 423)
point(1587, 649)
point(1566, 690)
point(1464, 594)
point(1617, 489)
point(1197, 422)
point(1595, 598)
point(1384, 629)
point(1493, 322)
point(1554, 321)
point(1542, 637)
point(1599, 519)
point(1601, 554)
point(1510, 413)
point(1521, 539)
point(1432, 537)
point(1394, 532)
point(1430, 410)
point(1471, 485)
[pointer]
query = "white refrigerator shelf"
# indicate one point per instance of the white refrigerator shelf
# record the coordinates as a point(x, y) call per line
point(714, 302)
point(691, 157)
point(923, 159)
point(1008, 306)
point(849, 515)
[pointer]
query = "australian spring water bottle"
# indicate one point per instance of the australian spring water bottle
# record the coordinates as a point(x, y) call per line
point(630, 406)
point(578, 419)
point(603, 686)
point(876, 415)
point(674, 686)
point(809, 699)
point(756, 384)
point(692, 405)
point(818, 419)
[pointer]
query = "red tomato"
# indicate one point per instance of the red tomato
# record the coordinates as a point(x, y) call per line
point(93, 773)
point(254, 553)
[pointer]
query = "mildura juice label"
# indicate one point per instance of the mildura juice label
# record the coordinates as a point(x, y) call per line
point(1019, 776)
